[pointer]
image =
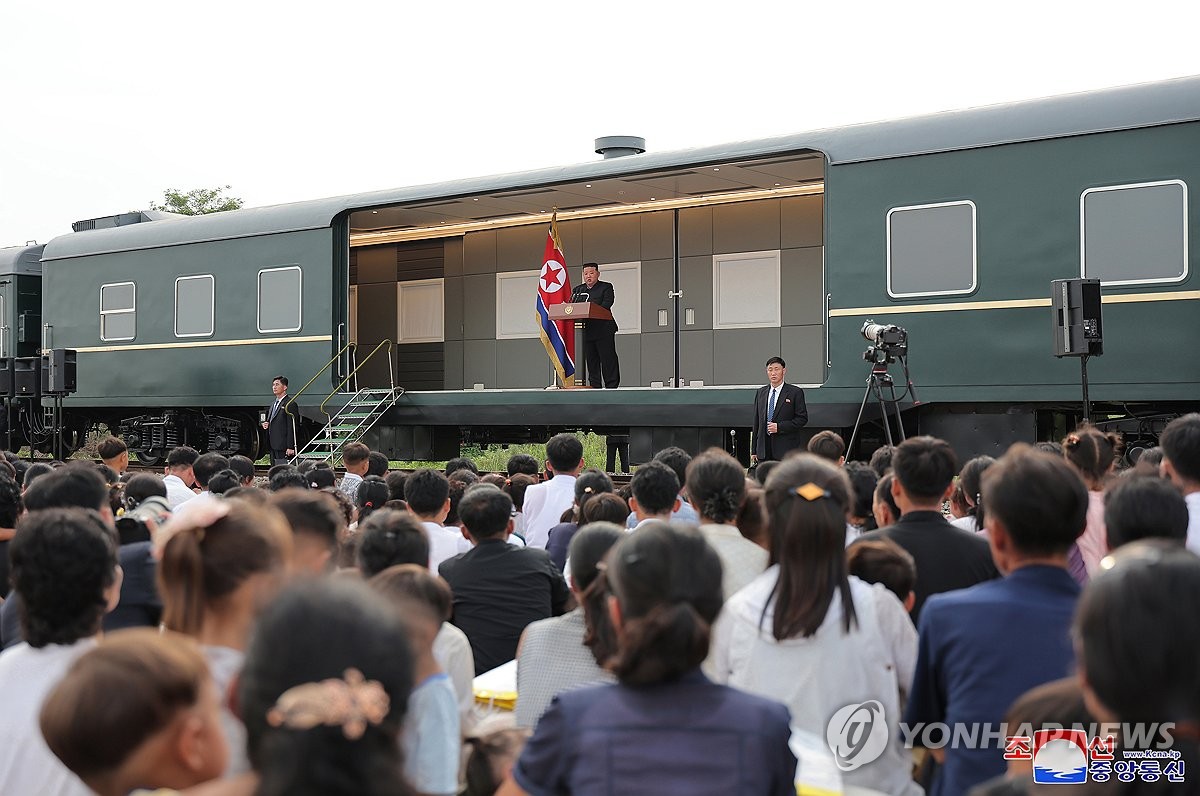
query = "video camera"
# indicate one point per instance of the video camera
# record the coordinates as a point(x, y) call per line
point(889, 342)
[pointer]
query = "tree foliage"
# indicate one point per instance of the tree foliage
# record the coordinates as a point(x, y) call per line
point(197, 202)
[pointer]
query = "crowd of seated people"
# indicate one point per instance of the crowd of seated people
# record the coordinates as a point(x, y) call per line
point(699, 629)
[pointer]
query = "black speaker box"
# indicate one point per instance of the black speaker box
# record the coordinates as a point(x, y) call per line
point(1078, 330)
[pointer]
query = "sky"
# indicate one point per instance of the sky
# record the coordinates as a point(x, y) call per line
point(105, 106)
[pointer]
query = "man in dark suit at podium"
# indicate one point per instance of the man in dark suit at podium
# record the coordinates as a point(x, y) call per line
point(599, 337)
point(281, 434)
point(779, 414)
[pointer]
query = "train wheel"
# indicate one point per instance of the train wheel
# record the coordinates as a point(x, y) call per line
point(253, 442)
point(152, 457)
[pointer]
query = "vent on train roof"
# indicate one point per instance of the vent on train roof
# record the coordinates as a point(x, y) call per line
point(121, 220)
point(619, 146)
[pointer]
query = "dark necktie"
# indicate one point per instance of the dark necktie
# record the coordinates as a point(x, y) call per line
point(771, 406)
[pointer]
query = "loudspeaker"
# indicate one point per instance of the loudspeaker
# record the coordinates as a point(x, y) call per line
point(27, 376)
point(1076, 308)
point(60, 371)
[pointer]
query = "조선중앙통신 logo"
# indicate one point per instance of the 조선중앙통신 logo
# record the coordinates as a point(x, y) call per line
point(1063, 757)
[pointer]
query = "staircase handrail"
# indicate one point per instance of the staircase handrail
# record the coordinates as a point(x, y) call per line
point(351, 374)
point(293, 397)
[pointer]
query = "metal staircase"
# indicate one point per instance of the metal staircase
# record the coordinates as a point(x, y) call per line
point(360, 411)
point(349, 424)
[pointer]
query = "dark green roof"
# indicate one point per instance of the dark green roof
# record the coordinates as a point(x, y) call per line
point(1127, 107)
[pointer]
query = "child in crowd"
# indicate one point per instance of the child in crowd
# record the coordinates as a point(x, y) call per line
point(884, 561)
point(138, 711)
point(491, 760)
point(371, 495)
point(431, 737)
point(1093, 453)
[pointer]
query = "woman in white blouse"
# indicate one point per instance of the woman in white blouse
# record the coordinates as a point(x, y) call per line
point(810, 635)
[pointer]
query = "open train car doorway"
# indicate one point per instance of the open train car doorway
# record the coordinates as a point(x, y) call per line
point(716, 266)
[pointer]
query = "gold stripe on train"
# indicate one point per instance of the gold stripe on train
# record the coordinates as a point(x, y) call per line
point(1121, 298)
point(316, 338)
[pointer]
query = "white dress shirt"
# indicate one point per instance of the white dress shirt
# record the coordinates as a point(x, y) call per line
point(1193, 532)
point(27, 675)
point(177, 491)
point(443, 543)
point(544, 507)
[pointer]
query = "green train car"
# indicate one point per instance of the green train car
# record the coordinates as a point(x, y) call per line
point(951, 226)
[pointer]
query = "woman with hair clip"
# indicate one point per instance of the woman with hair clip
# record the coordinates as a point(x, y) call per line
point(812, 636)
point(716, 487)
point(664, 727)
point(590, 482)
point(1136, 643)
point(324, 707)
point(970, 481)
point(1093, 454)
point(221, 562)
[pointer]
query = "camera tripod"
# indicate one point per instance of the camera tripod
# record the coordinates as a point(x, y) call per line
point(877, 379)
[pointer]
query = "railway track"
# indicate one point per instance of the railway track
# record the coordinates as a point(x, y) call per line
point(261, 470)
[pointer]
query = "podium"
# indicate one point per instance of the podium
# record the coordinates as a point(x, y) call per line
point(579, 312)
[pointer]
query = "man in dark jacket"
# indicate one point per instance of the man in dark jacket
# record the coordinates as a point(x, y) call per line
point(779, 414)
point(281, 433)
point(599, 337)
point(947, 558)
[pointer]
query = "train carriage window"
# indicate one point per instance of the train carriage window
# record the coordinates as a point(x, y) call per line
point(931, 250)
point(746, 290)
point(118, 311)
point(1134, 234)
point(279, 299)
point(194, 298)
point(421, 304)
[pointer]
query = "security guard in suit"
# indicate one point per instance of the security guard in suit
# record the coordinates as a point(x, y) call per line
point(281, 433)
point(779, 414)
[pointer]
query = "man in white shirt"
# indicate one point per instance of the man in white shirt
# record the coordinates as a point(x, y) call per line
point(205, 467)
point(546, 502)
point(179, 477)
point(427, 493)
point(60, 618)
point(1180, 443)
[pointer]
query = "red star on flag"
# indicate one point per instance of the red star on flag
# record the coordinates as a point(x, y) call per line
point(553, 275)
